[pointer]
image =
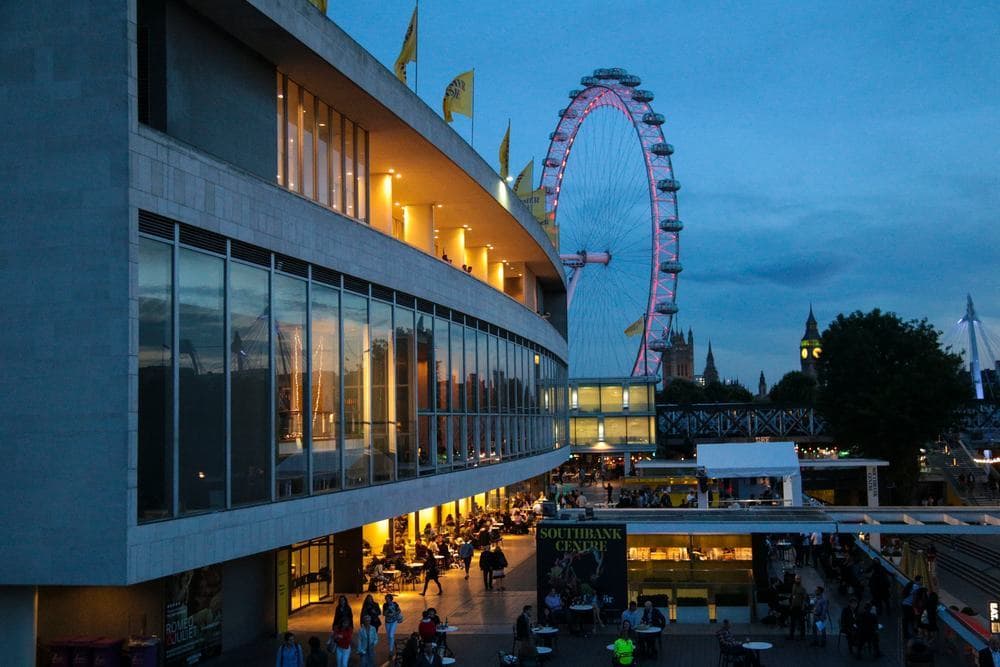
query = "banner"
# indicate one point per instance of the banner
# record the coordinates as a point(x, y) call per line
point(505, 154)
point(193, 618)
point(636, 327)
point(458, 96)
point(408, 53)
point(522, 184)
point(582, 558)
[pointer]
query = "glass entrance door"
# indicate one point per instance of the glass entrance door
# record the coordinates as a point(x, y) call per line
point(310, 575)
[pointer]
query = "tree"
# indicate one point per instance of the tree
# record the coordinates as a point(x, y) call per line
point(682, 392)
point(886, 387)
point(795, 388)
point(717, 392)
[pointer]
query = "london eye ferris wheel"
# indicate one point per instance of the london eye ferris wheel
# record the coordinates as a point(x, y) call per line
point(611, 203)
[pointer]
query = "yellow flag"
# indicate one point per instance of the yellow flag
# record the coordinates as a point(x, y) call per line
point(408, 53)
point(319, 4)
point(458, 96)
point(537, 204)
point(636, 327)
point(505, 154)
point(522, 184)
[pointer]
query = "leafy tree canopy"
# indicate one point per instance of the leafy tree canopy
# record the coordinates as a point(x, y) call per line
point(685, 392)
point(886, 387)
point(795, 388)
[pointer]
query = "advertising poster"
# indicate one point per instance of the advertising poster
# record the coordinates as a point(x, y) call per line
point(580, 559)
point(193, 619)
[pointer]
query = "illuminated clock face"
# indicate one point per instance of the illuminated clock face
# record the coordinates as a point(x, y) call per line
point(805, 353)
point(816, 352)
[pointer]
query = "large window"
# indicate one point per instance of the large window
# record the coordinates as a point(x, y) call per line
point(323, 389)
point(155, 460)
point(249, 378)
point(201, 381)
point(290, 384)
point(321, 154)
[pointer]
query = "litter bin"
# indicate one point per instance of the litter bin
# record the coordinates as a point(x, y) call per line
point(106, 652)
point(143, 651)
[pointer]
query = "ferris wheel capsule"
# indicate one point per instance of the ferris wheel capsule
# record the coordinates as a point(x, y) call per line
point(668, 185)
point(551, 162)
point(630, 80)
point(666, 308)
point(671, 267)
point(658, 345)
point(567, 113)
point(605, 73)
point(558, 136)
point(573, 94)
point(588, 81)
point(663, 150)
point(653, 118)
point(640, 95)
point(670, 225)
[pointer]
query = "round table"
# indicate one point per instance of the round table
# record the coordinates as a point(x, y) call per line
point(447, 628)
point(414, 565)
point(447, 661)
point(444, 630)
point(544, 652)
point(546, 633)
point(581, 614)
point(757, 647)
point(648, 632)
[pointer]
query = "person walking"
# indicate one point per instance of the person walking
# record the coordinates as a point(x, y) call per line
point(365, 641)
point(371, 609)
point(431, 573)
point(393, 616)
point(797, 609)
point(486, 565)
point(289, 653)
point(609, 489)
point(343, 611)
point(465, 551)
point(317, 656)
point(499, 566)
point(849, 626)
point(821, 618)
point(340, 643)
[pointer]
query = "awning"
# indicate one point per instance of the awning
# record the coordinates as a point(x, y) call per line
point(749, 459)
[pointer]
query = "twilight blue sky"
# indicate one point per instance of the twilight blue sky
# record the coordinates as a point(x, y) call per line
point(845, 154)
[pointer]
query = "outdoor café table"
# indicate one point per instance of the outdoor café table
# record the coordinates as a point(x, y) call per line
point(392, 574)
point(546, 634)
point(447, 661)
point(443, 630)
point(580, 613)
point(757, 647)
point(647, 632)
point(544, 652)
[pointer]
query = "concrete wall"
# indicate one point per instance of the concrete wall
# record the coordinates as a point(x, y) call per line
point(248, 600)
point(65, 271)
point(220, 94)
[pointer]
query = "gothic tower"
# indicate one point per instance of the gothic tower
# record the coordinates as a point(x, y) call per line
point(678, 359)
point(761, 386)
point(711, 374)
point(809, 348)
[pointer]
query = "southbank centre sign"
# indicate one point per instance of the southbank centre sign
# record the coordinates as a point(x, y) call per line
point(582, 561)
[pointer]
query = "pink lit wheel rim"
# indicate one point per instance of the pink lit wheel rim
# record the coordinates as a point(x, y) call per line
point(614, 216)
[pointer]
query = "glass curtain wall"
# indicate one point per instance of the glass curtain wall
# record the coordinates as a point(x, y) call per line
point(327, 389)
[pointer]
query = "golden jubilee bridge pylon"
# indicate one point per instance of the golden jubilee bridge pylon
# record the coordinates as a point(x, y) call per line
point(611, 208)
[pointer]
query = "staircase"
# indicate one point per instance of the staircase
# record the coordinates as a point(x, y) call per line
point(958, 461)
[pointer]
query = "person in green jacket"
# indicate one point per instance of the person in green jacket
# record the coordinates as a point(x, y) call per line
point(624, 648)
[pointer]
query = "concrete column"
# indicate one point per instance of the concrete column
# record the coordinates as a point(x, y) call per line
point(381, 202)
point(19, 620)
point(451, 242)
point(418, 226)
point(477, 258)
point(496, 275)
point(792, 489)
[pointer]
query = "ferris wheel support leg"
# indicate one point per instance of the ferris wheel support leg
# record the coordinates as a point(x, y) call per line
point(574, 280)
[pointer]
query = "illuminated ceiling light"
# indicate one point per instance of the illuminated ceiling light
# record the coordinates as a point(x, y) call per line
point(466, 226)
point(322, 124)
point(350, 173)
point(391, 170)
point(396, 203)
point(440, 206)
point(510, 179)
point(398, 176)
point(281, 96)
point(201, 475)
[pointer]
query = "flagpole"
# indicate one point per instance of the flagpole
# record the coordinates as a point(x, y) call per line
point(416, 53)
point(473, 140)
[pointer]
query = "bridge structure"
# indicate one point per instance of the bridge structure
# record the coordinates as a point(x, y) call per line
point(719, 422)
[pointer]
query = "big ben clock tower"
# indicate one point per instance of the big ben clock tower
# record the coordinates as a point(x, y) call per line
point(809, 348)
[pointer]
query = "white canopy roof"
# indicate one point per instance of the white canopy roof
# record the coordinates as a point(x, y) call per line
point(749, 459)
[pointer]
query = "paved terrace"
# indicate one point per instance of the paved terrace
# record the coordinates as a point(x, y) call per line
point(485, 620)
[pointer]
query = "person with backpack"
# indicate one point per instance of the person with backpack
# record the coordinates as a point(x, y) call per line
point(486, 565)
point(465, 552)
point(340, 641)
point(499, 566)
point(393, 617)
point(431, 573)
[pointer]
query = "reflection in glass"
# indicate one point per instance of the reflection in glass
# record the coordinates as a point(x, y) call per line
point(406, 441)
point(202, 388)
point(290, 384)
point(362, 174)
point(425, 361)
point(249, 377)
point(323, 153)
point(155, 459)
point(350, 168)
point(441, 364)
point(292, 135)
point(325, 343)
point(357, 408)
point(337, 161)
point(383, 394)
point(443, 436)
point(281, 128)
point(308, 124)
point(457, 377)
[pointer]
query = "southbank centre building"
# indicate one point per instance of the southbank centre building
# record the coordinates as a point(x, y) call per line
point(261, 304)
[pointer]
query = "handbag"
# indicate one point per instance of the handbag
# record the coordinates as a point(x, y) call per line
point(499, 574)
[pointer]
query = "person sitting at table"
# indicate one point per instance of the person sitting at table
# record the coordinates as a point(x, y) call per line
point(623, 646)
point(427, 628)
point(411, 650)
point(632, 615)
point(590, 597)
point(729, 645)
point(652, 618)
point(429, 656)
point(554, 606)
point(420, 550)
